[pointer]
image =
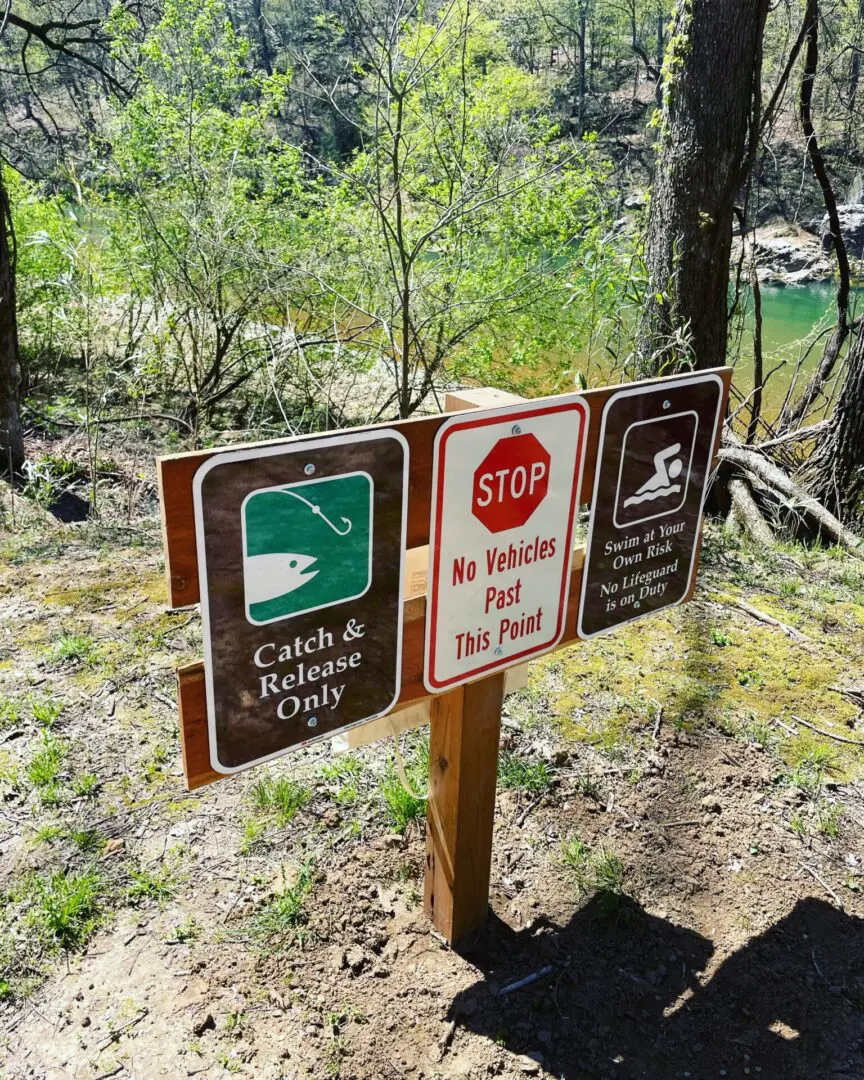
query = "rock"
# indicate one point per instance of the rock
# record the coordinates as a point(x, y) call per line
point(86, 1022)
point(851, 226)
point(785, 254)
point(711, 804)
point(203, 1022)
point(356, 959)
point(338, 959)
point(530, 1063)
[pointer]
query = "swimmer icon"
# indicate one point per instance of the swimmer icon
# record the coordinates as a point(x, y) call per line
point(656, 458)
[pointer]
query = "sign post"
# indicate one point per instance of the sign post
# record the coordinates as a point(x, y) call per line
point(295, 550)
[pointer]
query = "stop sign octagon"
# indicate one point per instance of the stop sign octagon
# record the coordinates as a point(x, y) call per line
point(505, 488)
point(510, 482)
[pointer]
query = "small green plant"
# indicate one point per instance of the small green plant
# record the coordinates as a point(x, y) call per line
point(281, 921)
point(253, 833)
point(44, 767)
point(400, 806)
point(183, 933)
point(86, 786)
point(828, 817)
point(5, 990)
point(46, 711)
point(87, 840)
point(10, 713)
point(586, 785)
point(750, 679)
point(519, 773)
point(719, 638)
point(281, 796)
point(150, 885)
point(599, 870)
point(341, 775)
point(64, 906)
point(73, 649)
point(798, 825)
point(788, 587)
point(47, 834)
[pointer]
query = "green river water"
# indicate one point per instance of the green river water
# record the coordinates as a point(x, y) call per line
point(792, 317)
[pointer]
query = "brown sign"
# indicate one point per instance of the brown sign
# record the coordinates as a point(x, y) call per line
point(653, 465)
point(300, 550)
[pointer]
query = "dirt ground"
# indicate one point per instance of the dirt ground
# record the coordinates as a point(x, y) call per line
point(677, 861)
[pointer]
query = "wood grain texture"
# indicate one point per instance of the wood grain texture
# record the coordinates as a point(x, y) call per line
point(465, 727)
point(175, 475)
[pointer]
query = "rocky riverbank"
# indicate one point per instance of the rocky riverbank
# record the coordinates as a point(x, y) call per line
point(790, 254)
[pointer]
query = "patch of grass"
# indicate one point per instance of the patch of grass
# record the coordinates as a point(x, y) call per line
point(10, 713)
point(281, 796)
point(519, 773)
point(183, 933)
point(400, 806)
point(146, 884)
point(828, 817)
point(597, 870)
point(750, 679)
point(47, 834)
point(87, 840)
point(45, 710)
point(44, 767)
point(86, 786)
point(280, 922)
point(64, 906)
point(798, 825)
point(586, 785)
point(341, 775)
point(73, 649)
point(253, 834)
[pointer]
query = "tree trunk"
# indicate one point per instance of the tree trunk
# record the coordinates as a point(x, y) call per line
point(835, 472)
point(707, 140)
point(854, 80)
point(11, 436)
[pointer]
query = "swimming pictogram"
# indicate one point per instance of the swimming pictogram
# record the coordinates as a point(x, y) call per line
point(666, 471)
point(654, 470)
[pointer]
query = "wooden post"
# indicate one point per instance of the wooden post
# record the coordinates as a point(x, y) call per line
point(465, 726)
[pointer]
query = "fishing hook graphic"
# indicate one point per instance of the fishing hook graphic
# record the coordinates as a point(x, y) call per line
point(317, 510)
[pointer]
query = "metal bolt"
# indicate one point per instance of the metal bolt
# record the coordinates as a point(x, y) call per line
point(312, 721)
point(637, 604)
point(309, 469)
point(499, 651)
point(516, 429)
point(666, 404)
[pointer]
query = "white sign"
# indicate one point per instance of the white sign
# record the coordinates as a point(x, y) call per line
point(505, 490)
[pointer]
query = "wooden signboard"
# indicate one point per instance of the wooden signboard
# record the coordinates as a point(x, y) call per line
point(311, 626)
point(300, 564)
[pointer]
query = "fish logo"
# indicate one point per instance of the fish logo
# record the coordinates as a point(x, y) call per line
point(267, 577)
point(306, 545)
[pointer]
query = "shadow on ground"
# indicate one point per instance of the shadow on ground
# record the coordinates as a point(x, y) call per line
point(623, 1000)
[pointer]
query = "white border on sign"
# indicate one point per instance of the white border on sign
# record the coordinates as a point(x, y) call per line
point(302, 445)
point(303, 483)
point(482, 417)
point(659, 387)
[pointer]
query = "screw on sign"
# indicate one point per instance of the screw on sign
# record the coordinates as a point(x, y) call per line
point(510, 482)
